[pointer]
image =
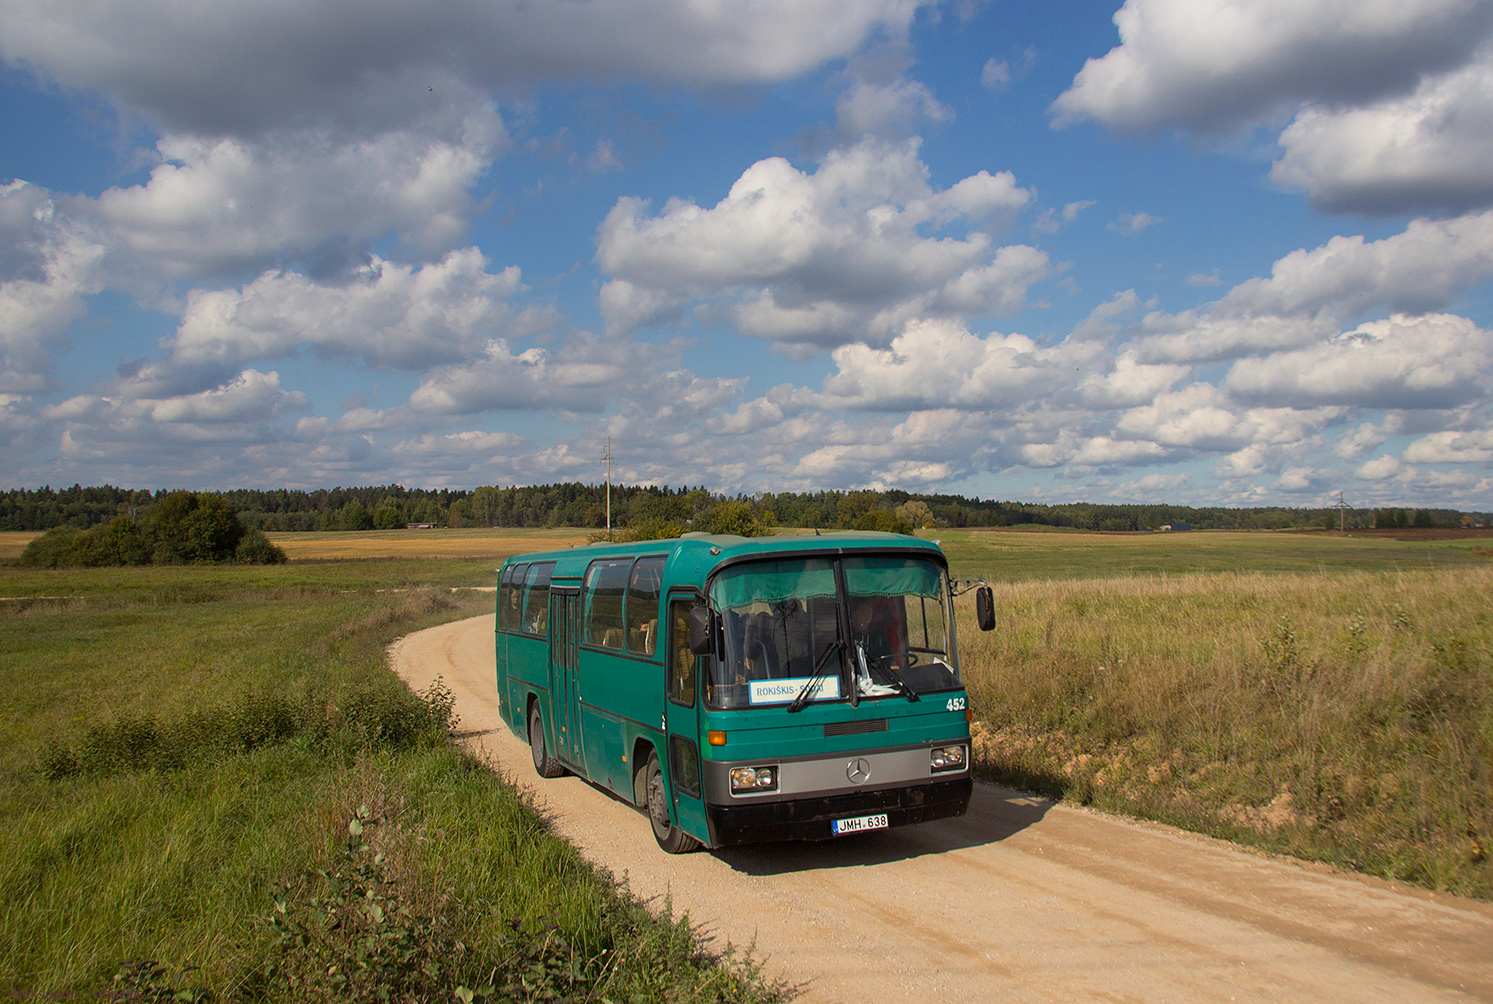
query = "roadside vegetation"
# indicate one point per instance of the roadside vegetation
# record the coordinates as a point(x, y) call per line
point(213, 788)
point(177, 529)
point(1341, 717)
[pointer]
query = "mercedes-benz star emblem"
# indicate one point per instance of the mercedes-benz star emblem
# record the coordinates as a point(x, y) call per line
point(858, 770)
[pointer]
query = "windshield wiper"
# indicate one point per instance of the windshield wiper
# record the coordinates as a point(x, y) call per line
point(898, 684)
point(904, 687)
point(813, 684)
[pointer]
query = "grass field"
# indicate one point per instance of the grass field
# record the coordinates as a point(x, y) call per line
point(1326, 697)
point(189, 747)
point(213, 786)
point(1020, 554)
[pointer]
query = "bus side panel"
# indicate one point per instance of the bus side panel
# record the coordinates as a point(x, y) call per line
point(631, 693)
point(528, 674)
point(506, 686)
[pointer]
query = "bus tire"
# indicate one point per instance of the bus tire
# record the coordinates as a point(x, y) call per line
point(670, 837)
point(544, 764)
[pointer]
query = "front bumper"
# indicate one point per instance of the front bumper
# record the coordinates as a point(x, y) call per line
point(810, 818)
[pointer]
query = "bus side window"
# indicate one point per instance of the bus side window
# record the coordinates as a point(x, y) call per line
point(535, 619)
point(682, 660)
point(515, 597)
point(642, 606)
point(503, 597)
point(606, 580)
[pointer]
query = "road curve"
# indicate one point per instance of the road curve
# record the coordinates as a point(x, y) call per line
point(1022, 899)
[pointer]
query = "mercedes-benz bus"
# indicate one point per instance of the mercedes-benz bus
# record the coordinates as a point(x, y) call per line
point(744, 689)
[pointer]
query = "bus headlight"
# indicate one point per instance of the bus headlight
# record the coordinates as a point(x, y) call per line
point(946, 758)
point(754, 779)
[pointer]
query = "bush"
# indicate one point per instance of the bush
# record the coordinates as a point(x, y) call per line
point(182, 528)
point(255, 549)
point(52, 549)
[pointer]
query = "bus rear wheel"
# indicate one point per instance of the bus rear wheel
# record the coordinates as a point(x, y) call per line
point(544, 764)
point(670, 837)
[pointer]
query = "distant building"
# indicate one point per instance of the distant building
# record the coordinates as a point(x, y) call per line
point(419, 526)
point(1177, 526)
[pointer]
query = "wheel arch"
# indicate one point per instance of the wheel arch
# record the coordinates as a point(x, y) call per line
point(642, 746)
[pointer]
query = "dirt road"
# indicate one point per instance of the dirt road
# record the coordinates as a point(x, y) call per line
point(1020, 900)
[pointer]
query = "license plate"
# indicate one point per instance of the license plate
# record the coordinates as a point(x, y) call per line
point(859, 823)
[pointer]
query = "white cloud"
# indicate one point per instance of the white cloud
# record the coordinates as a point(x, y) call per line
point(228, 433)
point(1053, 220)
point(1310, 294)
point(1430, 149)
point(939, 364)
point(995, 75)
point(1392, 102)
point(46, 269)
point(1130, 224)
point(1203, 280)
point(387, 313)
point(1452, 447)
point(822, 258)
point(1365, 437)
point(241, 67)
point(1296, 479)
point(533, 378)
point(891, 109)
point(215, 205)
point(1429, 362)
point(1379, 469)
point(1209, 64)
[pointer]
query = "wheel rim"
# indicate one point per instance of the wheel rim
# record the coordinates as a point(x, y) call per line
point(658, 810)
point(536, 739)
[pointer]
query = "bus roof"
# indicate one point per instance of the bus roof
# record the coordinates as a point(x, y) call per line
point(715, 549)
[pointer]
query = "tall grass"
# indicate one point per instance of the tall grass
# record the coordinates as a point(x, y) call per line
point(185, 757)
point(1347, 718)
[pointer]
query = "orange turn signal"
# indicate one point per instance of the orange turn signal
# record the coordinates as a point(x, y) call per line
point(716, 738)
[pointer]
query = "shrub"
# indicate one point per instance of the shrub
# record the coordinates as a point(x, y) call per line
point(255, 549)
point(181, 528)
point(52, 549)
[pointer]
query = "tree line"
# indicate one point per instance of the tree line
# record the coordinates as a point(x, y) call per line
point(641, 508)
point(178, 528)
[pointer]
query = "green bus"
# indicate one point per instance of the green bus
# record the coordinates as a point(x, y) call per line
point(744, 689)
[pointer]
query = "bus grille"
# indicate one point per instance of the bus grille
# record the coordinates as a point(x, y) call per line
point(855, 727)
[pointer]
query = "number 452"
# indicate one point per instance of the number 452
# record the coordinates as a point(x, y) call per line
point(956, 704)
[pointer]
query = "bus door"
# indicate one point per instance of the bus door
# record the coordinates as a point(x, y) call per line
point(565, 638)
point(682, 719)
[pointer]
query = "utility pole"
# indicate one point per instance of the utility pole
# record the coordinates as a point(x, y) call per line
point(608, 459)
point(1342, 512)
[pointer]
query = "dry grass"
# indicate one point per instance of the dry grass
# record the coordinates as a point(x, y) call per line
point(496, 544)
point(13, 542)
point(1343, 717)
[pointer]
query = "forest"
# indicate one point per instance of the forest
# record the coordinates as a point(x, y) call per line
point(386, 507)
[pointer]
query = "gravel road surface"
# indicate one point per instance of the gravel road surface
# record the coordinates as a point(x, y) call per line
point(1020, 900)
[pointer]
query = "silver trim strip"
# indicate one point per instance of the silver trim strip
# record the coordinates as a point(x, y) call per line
point(831, 775)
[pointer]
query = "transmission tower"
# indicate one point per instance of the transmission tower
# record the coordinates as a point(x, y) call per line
point(608, 458)
point(1342, 513)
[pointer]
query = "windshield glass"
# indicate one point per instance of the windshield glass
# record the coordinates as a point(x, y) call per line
point(782, 620)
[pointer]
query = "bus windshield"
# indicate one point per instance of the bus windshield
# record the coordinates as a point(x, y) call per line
point(880, 624)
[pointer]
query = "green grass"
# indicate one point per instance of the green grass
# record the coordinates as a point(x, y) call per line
point(185, 747)
point(1021, 554)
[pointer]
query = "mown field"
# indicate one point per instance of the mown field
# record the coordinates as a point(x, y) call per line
point(213, 788)
point(190, 750)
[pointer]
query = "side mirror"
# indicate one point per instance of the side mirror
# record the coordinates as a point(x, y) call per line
point(701, 638)
point(984, 609)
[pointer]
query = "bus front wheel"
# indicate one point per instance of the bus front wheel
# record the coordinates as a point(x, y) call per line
point(670, 837)
point(544, 764)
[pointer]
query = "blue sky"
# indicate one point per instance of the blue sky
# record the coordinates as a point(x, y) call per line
point(1213, 252)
